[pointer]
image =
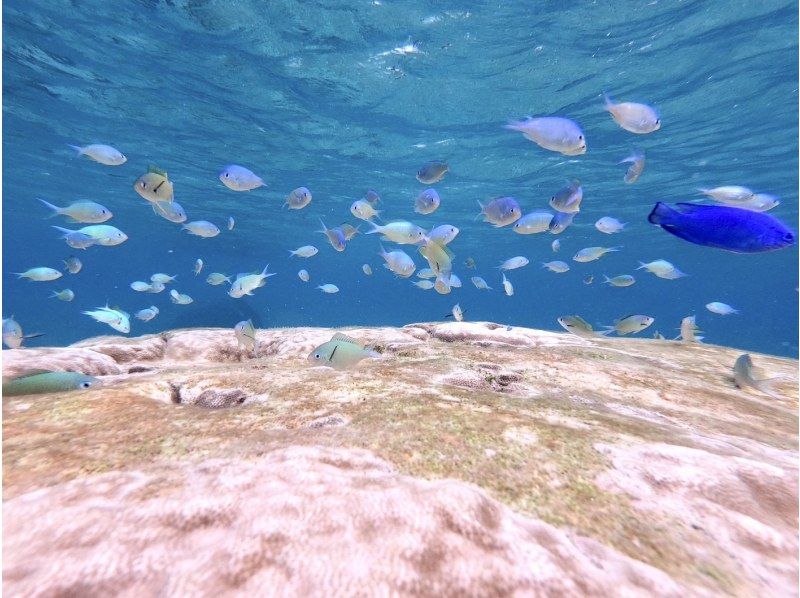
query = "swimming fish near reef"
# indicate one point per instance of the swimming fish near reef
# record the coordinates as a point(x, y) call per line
point(217, 278)
point(555, 246)
point(398, 262)
point(298, 198)
point(81, 211)
point(568, 199)
point(623, 280)
point(633, 117)
point(636, 168)
point(103, 154)
point(170, 210)
point(335, 236)
point(246, 284)
point(561, 221)
point(507, 286)
point(501, 211)
point(239, 178)
point(662, 269)
point(443, 234)
point(720, 308)
point(427, 202)
point(156, 287)
point(303, 275)
point(366, 269)
point(180, 298)
point(744, 376)
point(304, 251)
point(556, 266)
point(728, 194)
point(590, 254)
point(114, 317)
point(147, 314)
point(162, 278)
point(341, 352)
point(41, 274)
point(535, 222)
point(328, 288)
point(372, 196)
point(457, 313)
point(231, 221)
point(732, 229)
point(77, 239)
point(425, 285)
point(363, 210)
point(689, 331)
point(140, 286)
point(12, 333)
point(513, 263)
point(552, 133)
point(42, 382)
point(102, 234)
point(73, 264)
point(609, 225)
point(245, 334)
point(154, 185)
point(198, 266)
point(629, 325)
point(201, 228)
point(480, 283)
point(400, 232)
point(577, 326)
point(432, 172)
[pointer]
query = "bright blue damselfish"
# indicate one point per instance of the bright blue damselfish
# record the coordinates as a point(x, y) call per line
point(733, 229)
point(335, 98)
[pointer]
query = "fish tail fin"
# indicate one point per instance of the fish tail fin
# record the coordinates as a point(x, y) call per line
point(617, 248)
point(606, 280)
point(56, 210)
point(641, 265)
point(514, 125)
point(324, 228)
point(482, 212)
point(78, 149)
point(292, 252)
point(375, 228)
point(608, 330)
point(608, 101)
point(661, 214)
point(66, 231)
point(53, 294)
point(767, 386)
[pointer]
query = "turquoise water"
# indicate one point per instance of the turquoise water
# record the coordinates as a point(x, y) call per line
point(311, 94)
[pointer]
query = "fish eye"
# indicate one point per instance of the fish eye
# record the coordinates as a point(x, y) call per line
point(580, 137)
point(86, 384)
point(143, 184)
point(317, 355)
point(227, 175)
point(788, 237)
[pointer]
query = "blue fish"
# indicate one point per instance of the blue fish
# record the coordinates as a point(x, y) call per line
point(732, 229)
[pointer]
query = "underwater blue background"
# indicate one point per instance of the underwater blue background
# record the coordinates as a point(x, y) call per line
point(309, 93)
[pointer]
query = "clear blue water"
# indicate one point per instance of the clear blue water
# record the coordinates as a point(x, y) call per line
point(309, 93)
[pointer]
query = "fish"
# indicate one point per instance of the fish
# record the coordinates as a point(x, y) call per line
point(180, 298)
point(629, 325)
point(328, 288)
point(532, 223)
point(231, 222)
point(432, 172)
point(100, 234)
point(102, 154)
point(507, 286)
point(303, 275)
point(245, 334)
point(760, 202)
point(501, 211)
point(728, 194)
point(44, 382)
point(556, 266)
point(442, 283)
point(623, 280)
point(443, 234)
point(114, 317)
point(662, 269)
point(163, 278)
point(81, 211)
point(555, 246)
point(73, 264)
point(363, 210)
point(156, 287)
point(246, 284)
point(469, 263)
point(689, 330)
point(147, 314)
point(366, 269)
point(440, 260)
point(217, 278)
point(12, 333)
point(455, 281)
point(658, 336)
point(427, 202)
point(400, 232)
point(398, 262)
point(720, 308)
point(590, 254)
point(372, 196)
point(239, 178)
point(304, 251)
point(609, 225)
point(577, 326)
point(349, 231)
point(335, 236)
point(198, 266)
point(41, 274)
point(568, 199)
point(561, 221)
point(636, 168)
point(201, 228)
point(480, 283)
point(458, 314)
point(744, 376)
point(513, 263)
point(589, 279)
point(341, 352)
point(425, 285)
point(140, 286)
point(170, 210)
point(154, 185)
point(633, 117)
point(722, 227)
point(553, 133)
point(298, 198)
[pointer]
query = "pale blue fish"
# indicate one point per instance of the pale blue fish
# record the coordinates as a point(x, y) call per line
point(198, 266)
point(556, 266)
point(180, 298)
point(609, 225)
point(341, 352)
point(303, 275)
point(147, 314)
point(552, 133)
point(81, 211)
point(629, 325)
point(366, 269)
point(163, 278)
point(501, 211)
point(427, 202)
point(43, 382)
point(103, 234)
point(400, 232)
point(298, 198)
point(555, 246)
point(103, 154)
point(590, 254)
point(247, 283)
point(140, 286)
point(633, 117)
point(662, 269)
point(480, 283)
point(245, 334)
point(398, 262)
point(363, 210)
point(432, 172)
point(513, 263)
point(535, 222)
point(217, 278)
point(239, 178)
point(561, 221)
point(623, 280)
point(73, 264)
point(12, 333)
point(231, 223)
point(568, 199)
point(720, 308)
point(335, 236)
point(328, 288)
point(116, 318)
point(443, 234)
point(76, 239)
point(304, 251)
point(170, 210)
point(425, 285)
point(201, 228)
point(40, 274)
point(636, 168)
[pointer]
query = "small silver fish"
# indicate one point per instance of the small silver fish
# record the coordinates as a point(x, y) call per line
point(304, 251)
point(73, 264)
point(633, 117)
point(217, 278)
point(629, 324)
point(12, 333)
point(744, 375)
point(561, 221)
point(577, 326)
point(246, 336)
point(590, 254)
point(552, 133)
point(513, 263)
point(303, 275)
point(427, 202)
point(609, 225)
point(147, 314)
point(341, 352)
point(535, 222)
point(689, 330)
point(198, 266)
point(556, 266)
point(170, 210)
point(480, 283)
point(366, 269)
point(298, 199)
point(432, 172)
point(458, 314)
point(231, 222)
point(507, 286)
point(501, 211)
point(81, 211)
point(201, 228)
point(623, 280)
point(636, 168)
point(102, 154)
point(568, 199)
point(328, 288)
point(179, 298)
point(239, 178)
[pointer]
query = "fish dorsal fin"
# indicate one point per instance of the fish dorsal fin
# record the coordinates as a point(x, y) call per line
point(243, 274)
point(617, 321)
point(32, 372)
point(156, 170)
point(341, 336)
